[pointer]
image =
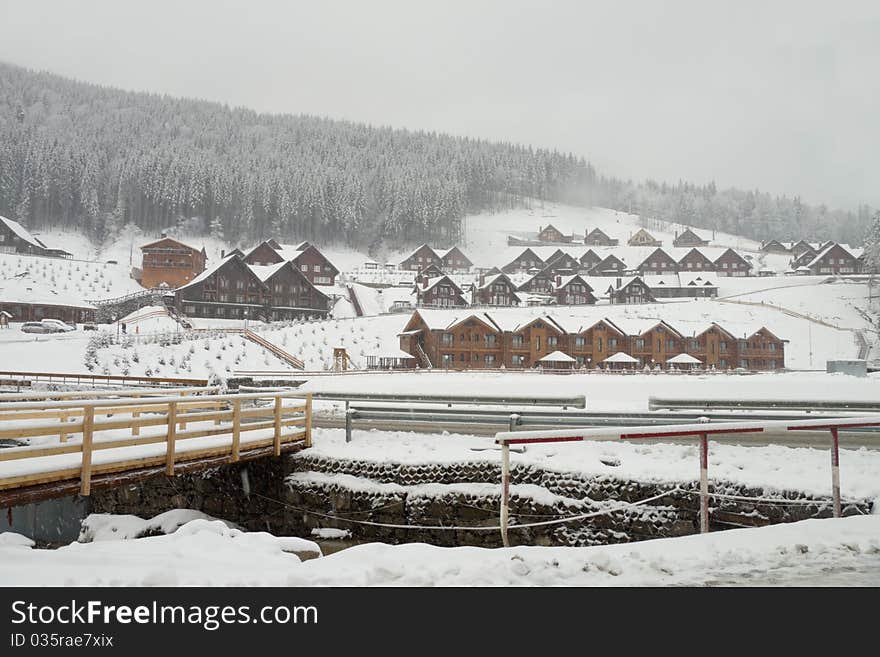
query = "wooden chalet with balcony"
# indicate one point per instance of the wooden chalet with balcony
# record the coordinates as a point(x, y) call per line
point(659, 262)
point(563, 263)
point(731, 263)
point(543, 283)
point(681, 285)
point(460, 339)
point(611, 265)
point(314, 265)
point(525, 262)
point(688, 238)
point(643, 238)
point(553, 235)
point(291, 293)
point(589, 260)
point(630, 290)
point(15, 238)
point(775, 246)
point(495, 290)
point(453, 260)
point(421, 258)
point(439, 292)
point(597, 237)
point(573, 291)
point(167, 262)
point(695, 260)
point(834, 259)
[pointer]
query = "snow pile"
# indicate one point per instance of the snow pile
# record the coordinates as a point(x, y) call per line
point(824, 552)
point(112, 527)
point(201, 552)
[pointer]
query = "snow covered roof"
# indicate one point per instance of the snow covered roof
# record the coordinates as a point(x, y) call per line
point(684, 359)
point(557, 357)
point(21, 232)
point(265, 272)
point(205, 274)
point(439, 279)
point(621, 357)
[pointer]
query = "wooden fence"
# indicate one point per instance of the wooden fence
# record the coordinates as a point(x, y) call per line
point(107, 379)
point(226, 425)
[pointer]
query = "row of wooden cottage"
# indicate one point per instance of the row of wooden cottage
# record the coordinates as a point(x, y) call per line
point(549, 234)
point(487, 340)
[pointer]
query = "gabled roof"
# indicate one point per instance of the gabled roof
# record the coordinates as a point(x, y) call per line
point(222, 263)
point(419, 248)
point(715, 325)
point(169, 239)
point(824, 252)
point(598, 231)
point(265, 272)
point(310, 248)
point(489, 280)
point(699, 253)
point(432, 282)
point(738, 256)
point(691, 234)
point(662, 323)
point(658, 252)
point(565, 280)
point(21, 232)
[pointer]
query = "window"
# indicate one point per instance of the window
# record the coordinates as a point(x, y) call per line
point(304, 268)
point(722, 347)
point(612, 343)
point(552, 341)
point(599, 344)
point(446, 339)
point(518, 359)
point(316, 268)
point(772, 346)
point(461, 357)
point(579, 341)
point(490, 358)
point(447, 359)
point(516, 341)
point(538, 343)
point(490, 340)
point(670, 345)
point(640, 343)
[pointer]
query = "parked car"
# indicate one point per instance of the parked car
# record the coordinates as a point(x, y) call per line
point(90, 327)
point(61, 327)
point(37, 327)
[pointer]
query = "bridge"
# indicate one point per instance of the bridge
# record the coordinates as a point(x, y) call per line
point(69, 443)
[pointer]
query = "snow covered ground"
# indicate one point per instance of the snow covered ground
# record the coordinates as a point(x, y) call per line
point(809, 553)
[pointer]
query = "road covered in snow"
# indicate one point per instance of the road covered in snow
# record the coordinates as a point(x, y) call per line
point(832, 552)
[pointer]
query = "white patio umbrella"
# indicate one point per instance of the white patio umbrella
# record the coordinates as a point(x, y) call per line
point(621, 357)
point(684, 359)
point(557, 357)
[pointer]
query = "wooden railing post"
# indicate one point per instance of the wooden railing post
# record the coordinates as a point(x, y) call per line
point(86, 475)
point(170, 439)
point(278, 425)
point(182, 425)
point(62, 435)
point(236, 429)
point(135, 430)
point(309, 420)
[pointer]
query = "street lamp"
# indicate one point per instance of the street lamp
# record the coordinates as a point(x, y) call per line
point(245, 319)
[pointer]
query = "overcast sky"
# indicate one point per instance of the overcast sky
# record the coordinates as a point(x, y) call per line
point(784, 96)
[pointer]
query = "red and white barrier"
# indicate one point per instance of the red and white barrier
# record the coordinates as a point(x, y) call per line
point(700, 430)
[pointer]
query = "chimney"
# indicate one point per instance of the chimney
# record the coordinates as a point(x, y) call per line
point(482, 278)
point(558, 280)
point(424, 282)
point(222, 253)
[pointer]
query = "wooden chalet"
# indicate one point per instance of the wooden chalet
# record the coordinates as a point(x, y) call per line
point(643, 238)
point(460, 339)
point(657, 344)
point(775, 246)
point(688, 238)
point(563, 263)
point(597, 237)
point(421, 258)
point(315, 265)
point(611, 265)
point(573, 291)
point(589, 260)
point(453, 260)
point(439, 292)
point(542, 283)
point(802, 246)
point(731, 263)
point(695, 260)
point(495, 290)
point(264, 254)
point(630, 290)
point(834, 259)
point(659, 262)
point(23, 299)
point(550, 233)
point(232, 289)
point(681, 285)
point(291, 294)
point(524, 262)
point(431, 271)
point(167, 262)
point(15, 238)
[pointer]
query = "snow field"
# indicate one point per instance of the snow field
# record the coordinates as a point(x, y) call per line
point(208, 553)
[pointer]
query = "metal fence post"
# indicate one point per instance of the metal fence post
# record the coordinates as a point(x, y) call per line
point(87, 430)
point(505, 491)
point(348, 422)
point(835, 471)
point(704, 484)
point(170, 438)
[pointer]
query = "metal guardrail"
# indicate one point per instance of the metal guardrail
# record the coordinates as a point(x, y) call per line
point(502, 400)
point(536, 418)
point(659, 403)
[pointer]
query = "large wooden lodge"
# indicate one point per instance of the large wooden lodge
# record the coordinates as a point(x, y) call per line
point(459, 339)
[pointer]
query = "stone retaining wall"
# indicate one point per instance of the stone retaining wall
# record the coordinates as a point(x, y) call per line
point(285, 496)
